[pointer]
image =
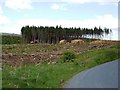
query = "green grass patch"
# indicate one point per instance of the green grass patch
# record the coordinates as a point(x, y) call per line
point(36, 76)
point(96, 57)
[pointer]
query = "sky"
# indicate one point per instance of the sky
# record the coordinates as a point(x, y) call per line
point(14, 14)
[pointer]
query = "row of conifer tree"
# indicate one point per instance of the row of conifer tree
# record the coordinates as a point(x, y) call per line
point(45, 34)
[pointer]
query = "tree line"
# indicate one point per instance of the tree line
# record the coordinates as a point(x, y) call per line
point(45, 34)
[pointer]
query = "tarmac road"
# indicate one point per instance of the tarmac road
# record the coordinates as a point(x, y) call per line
point(102, 76)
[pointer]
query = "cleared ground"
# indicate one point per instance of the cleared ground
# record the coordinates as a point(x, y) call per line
point(46, 53)
point(42, 66)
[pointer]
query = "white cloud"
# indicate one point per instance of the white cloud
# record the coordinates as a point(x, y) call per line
point(6, 25)
point(19, 4)
point(26, 15)
point(103, 21)
point(3, 19)
point(55, 6)
point(10, 29)
point(109, 21)
point(1, 10)
point(58, 6)
point(90, 1)
point(80, 1)
point(75, 0)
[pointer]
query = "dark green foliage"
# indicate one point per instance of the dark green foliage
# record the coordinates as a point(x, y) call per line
point(69, 56)
point(9, 39)
point(55, 34)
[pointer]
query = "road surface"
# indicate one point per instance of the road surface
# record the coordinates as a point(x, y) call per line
point(102, 76)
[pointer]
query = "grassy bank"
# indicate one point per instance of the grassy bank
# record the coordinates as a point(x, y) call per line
point(55, 75)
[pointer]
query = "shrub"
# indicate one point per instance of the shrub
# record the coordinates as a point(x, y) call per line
point(69, 56)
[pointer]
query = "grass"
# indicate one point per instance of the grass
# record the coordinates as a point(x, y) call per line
point(36, 76)
point(96, 57)
point(54, 75)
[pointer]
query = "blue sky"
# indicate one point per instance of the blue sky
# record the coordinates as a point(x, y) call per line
point(69, 13)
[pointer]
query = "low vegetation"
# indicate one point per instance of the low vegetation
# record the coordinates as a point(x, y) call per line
point(68, 56)
point(42, 66)
point(10, 39)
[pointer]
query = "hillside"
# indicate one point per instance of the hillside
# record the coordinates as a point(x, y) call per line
point(48, 65)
